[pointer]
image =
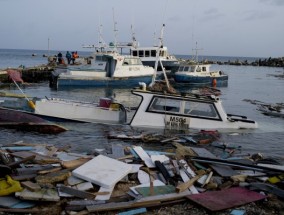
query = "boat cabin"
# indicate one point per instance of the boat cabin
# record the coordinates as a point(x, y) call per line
point(147, 52)
point(180, 112)
point(194, 68)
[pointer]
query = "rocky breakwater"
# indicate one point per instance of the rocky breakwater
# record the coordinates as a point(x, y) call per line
point(271, 62)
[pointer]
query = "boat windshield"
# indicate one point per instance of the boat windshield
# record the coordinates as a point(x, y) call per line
point(200, 109)
point(101, 58)
point(184, 108)
point(184, 69)
point(159, 104)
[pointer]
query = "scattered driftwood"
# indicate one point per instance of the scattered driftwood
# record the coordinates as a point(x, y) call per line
point(131, 177)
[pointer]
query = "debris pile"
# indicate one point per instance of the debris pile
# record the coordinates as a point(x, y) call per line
point(45, 179)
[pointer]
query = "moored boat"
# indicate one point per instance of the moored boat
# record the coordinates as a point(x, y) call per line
point(200, 74)
point(107, 69)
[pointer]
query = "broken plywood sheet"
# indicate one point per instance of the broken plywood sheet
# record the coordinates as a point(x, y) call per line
point(224, 199)
point(41, 195)
point(222, 170)
point(106, 196)
point(38, 157)
point(103, 171)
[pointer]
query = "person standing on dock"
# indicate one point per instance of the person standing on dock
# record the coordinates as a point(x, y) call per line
point(68, 57)
point(59, 58)
point(74, 56)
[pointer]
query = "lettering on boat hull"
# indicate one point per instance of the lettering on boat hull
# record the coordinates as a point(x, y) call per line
point(177, 122)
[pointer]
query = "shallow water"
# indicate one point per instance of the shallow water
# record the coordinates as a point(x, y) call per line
point(245, 82)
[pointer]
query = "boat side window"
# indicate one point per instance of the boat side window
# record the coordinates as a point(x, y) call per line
point(132, 61)
point(141, 53)
point(186, 68)
point(200, 109)
point(164, 105)
point(99, 58)
point(147, 53)
point(153, 53)
point(198, 69)
point(192, 69)
point(162, 53)
point(180, 68)
point(204, 68)
point(134, 53)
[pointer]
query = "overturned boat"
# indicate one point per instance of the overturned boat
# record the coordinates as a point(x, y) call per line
point(19, 120)
point(185, 111)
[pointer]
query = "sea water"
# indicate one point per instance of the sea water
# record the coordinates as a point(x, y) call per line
point(245, 82)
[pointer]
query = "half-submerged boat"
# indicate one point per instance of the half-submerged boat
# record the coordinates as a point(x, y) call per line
point(200, 74)
point(19, 120)
point(185, 111)
point(60, 110)
point(107, 69)
point(272, 110)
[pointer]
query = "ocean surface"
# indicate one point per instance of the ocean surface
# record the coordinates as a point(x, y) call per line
point(245, 82)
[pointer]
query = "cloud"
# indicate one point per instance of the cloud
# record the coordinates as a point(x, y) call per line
point(174, 19)
point(257, 15)
point(211, 14)
point(273, 2)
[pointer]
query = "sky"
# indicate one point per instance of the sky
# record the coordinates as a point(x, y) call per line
point(244, 28)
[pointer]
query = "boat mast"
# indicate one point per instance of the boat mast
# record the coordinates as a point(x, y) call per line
point(134, 41)
point(158, 59)
point(48, 53)
point(101, 42)
point(196, 53)
point(115, 31)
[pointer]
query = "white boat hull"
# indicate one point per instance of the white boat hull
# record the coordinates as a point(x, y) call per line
point(78, 111)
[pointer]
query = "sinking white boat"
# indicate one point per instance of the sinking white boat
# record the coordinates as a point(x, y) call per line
point(182, 112)
point(56, 109)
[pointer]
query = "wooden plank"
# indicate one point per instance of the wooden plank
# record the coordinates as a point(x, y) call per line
point(182, 187)
point(143, 202)
point(157, 190)
point(144, 156)
point(75, 192)
point(72, 164)
point(23, 177)
point(185, 178)
point(30, 186)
